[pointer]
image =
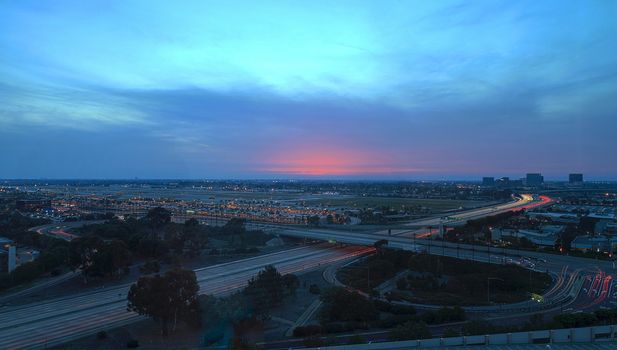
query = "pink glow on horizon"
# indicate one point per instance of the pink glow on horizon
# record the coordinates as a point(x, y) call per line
point(320, 161)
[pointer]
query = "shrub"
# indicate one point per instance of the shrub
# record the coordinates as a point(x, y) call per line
point(396, 320)
point(382, 305)
point(401, 283)
point(313, 342)
point(450, 332)
point(403, 310)
point(314, 289)
point(409, 331)
point(309, 330)
point(356, 339)
point(334, 328)
point(133, 343)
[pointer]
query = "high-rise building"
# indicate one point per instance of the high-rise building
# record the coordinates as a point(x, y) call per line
point(503, 182)
point(575, 179)
point(488, 181)
point(534, 180)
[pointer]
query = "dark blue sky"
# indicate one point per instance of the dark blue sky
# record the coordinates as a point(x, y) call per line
point(264, 89)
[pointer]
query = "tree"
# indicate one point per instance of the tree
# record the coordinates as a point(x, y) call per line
point(379, 245)
point(82, 253)
point(450, 332)
point(158, 217)
point(166, 298)
point(235, 228)
point(110, 259)
point(265, 291)
point(356, 339)
point(312, 220)
point(291, 283)
point(343, 305)
point(54, 257)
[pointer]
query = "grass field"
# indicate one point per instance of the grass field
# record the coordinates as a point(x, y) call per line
point(398, 203)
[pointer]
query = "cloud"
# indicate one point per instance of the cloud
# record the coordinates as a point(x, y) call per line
point(57, 106)
point(382, 90)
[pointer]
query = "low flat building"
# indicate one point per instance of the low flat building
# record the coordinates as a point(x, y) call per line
point(595, 243)
point(539, 238)
point(564, 218)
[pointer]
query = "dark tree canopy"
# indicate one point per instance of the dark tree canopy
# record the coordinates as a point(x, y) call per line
point(167, 298)
point(268, 289)
point(158, 217)
point(343, 305)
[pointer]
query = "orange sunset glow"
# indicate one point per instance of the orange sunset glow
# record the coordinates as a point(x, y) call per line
point(313, 161)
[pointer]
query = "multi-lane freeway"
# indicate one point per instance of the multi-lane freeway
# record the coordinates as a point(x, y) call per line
point(60, 320)
point(419, 227)
point(581, 283)
point(63, 319)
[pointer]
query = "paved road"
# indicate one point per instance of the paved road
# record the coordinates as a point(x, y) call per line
point(60, 320)
point(61, 229)
point(562, 266)
point(420, 227)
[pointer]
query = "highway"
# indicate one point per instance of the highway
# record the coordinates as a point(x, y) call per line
point(60, 230)
point(67, 318)
point(419, 227)
point(572, 274)
point(60, 320)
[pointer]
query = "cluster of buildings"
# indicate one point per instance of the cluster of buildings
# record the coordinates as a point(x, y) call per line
point(592, 219)
point(530, 180)
point(544, 236)
point(80, 206)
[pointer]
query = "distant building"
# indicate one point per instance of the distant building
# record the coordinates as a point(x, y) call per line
point(563, 218)
point(544, 238)
point(534, 180)
point(516, 183)
point(575, 179)
point(488, 181)
point(503, 182)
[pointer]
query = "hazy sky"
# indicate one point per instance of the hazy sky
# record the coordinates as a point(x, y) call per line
point(263, 89)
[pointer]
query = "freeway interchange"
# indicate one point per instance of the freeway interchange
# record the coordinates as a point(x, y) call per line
point(579, 283)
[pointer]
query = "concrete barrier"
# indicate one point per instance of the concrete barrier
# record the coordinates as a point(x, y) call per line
point(554, 336)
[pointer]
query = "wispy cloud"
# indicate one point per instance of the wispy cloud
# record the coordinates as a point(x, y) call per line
point(56, 106)
point(247, 89)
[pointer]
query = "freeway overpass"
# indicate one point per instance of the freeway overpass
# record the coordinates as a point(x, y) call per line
point(418, 227)
point(596, 276)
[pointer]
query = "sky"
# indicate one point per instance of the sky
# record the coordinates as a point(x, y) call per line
point(307, 89)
